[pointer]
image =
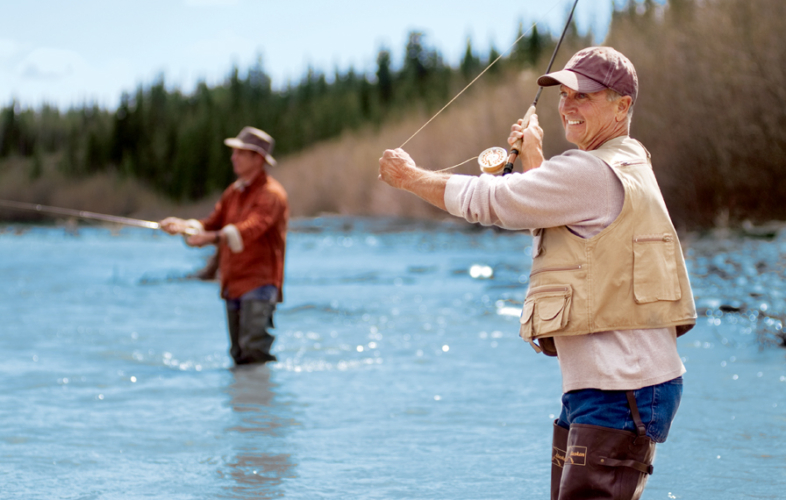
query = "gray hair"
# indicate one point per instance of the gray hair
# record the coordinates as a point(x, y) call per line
point(613, 96)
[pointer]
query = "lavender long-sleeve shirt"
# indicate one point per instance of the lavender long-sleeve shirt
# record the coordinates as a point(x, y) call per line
point(577, 190)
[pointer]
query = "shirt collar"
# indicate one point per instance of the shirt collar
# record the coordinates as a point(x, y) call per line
point(242, 184)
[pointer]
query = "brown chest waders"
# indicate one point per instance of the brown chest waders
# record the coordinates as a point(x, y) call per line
point(593, 462)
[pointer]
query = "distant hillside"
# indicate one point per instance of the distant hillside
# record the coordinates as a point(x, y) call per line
point(711, 110)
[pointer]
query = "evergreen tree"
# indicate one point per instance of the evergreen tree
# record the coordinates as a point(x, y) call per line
point(470, 64)
point(533, 47)
point(493, 56)
point(37, 164)
point(9, 130)
point(384, 77)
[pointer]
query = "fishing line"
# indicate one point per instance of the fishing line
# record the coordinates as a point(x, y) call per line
point(454, 166)
point(472, 82)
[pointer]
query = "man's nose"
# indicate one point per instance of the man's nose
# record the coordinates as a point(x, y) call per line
point(566, 104)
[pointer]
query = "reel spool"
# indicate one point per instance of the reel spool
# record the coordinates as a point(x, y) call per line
point(492, 160)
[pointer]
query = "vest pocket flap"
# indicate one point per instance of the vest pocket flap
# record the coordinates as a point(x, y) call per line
point(525, 331)
point(550, 307)
point(655, 268)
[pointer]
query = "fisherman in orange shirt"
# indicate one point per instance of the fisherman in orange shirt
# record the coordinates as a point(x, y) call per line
point(249, 225)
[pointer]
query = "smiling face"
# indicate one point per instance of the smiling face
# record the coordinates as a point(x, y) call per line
point(590, 119)
point(246, 164)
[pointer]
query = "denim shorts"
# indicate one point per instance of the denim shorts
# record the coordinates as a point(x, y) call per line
point(657, 406)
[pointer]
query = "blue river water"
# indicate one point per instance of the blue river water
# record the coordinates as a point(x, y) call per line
point(400, 376)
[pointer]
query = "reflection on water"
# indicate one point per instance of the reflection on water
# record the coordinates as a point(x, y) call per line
point(256, 469)
point(401, 373)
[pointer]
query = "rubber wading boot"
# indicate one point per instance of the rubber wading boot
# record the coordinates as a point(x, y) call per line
point(256, 316)
point(603, 463)
point(558, 447)
point(233, 323)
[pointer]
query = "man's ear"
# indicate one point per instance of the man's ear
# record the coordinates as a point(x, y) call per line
point(261, 160)
point(623, 105)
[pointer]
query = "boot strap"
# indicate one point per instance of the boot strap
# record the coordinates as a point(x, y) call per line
point(633, 464)
point(634, 411)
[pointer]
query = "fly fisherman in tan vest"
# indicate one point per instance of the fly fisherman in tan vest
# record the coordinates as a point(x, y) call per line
point(608, 292)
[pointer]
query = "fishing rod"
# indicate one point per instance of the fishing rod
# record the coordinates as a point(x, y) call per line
point(82, 214)
point(491, 160)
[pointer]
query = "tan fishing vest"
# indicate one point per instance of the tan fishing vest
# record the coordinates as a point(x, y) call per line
point(629, 276)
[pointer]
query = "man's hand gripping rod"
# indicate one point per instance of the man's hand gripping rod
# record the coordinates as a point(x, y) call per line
point(490, 159)
point(516, 149)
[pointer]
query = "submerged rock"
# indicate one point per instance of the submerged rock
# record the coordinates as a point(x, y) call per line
point(740, 280)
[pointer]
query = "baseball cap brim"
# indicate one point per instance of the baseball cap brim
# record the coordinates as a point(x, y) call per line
point(572, 80)
point(236, 143)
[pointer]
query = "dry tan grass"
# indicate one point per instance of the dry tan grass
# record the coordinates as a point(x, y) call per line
point(713, 105)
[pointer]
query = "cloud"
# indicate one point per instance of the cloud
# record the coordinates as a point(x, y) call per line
point(65, 78)
point(50, 64)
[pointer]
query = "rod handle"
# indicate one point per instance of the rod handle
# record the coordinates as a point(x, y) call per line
point(187, 231)
point(516, 148)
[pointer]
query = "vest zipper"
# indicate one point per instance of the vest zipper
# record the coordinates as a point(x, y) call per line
point(547, 269)
point(652, 237)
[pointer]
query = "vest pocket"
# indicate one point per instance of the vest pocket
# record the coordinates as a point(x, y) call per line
point(546, 310)
point(655, 268)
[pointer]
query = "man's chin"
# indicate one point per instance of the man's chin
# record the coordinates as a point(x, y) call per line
point(570, 140)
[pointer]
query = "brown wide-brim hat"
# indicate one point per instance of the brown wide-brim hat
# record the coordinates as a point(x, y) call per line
point(253, 139)
point(594, 69)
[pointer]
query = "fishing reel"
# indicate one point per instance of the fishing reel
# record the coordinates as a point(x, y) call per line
point(497, 160)
point(492, 160)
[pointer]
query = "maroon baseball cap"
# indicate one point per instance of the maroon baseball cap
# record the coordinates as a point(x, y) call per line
point(594, 69)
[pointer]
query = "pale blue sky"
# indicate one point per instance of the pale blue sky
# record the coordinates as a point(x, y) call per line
point(67, 52)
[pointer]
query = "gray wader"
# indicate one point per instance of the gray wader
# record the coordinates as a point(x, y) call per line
point(589, 461)
point(250, 340)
